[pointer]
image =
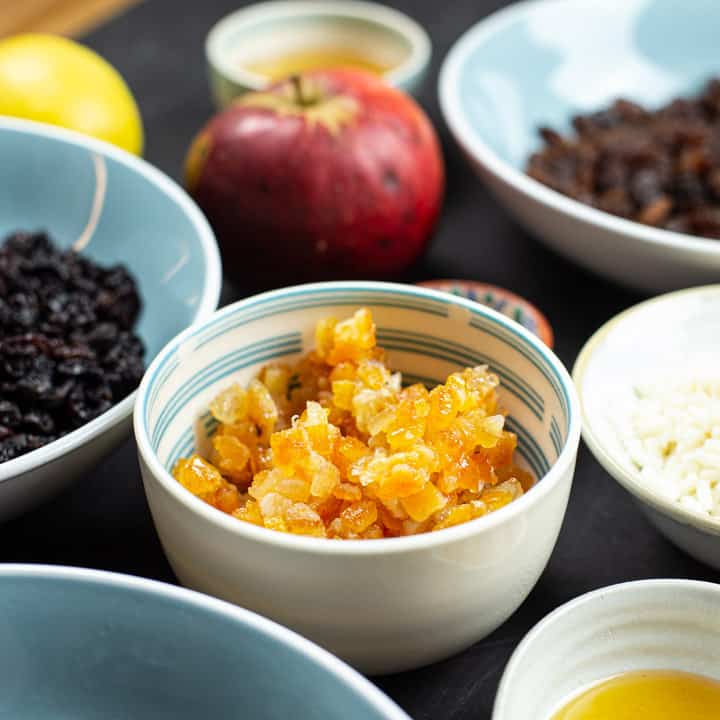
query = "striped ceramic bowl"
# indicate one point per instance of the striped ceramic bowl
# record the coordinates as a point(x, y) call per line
point(383, 605)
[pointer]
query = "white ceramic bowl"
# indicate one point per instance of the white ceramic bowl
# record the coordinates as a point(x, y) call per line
point(540, 62)
point(73, 186)
point(383, 605)
point(677, 331)
point(270, 29)
point(643, 625)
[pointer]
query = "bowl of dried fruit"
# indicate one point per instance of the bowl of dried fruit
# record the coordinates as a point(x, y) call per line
point(598, 131)
point(383, 468)
point(102, 260)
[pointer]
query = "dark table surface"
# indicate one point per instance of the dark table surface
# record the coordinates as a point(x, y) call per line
point(103, 521)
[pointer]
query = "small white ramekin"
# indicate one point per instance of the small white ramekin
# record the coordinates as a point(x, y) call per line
point(658, 337)
point(269, 29)
point(635, 626)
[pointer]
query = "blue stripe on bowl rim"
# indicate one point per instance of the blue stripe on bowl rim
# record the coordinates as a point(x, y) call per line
point(288, 343)
point(551, 378)
point(294, 306)
point(184, 391)
point(162, 377)
point(404, 341)
point(424, 337)
point(507, 384)
point(362, 293)
point(555, 435)
point(529, 448)
point(491, 320)
point(284, 344)
point(235, 359)
point(182, 447)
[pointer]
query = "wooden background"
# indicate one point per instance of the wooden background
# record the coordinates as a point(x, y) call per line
point(66, 17)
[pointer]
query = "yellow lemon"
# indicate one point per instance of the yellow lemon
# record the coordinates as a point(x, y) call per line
point(54, 80)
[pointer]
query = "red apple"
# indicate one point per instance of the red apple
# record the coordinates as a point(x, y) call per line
point(330, 174)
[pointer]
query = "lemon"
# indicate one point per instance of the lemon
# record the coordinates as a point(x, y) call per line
point(54, 80)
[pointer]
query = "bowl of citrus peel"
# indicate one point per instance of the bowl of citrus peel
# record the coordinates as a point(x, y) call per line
point(306, 455)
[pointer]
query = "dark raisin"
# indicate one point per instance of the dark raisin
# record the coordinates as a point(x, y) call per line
point(34, 386)
point(610, 172)
point(13, 446)
point(87, 402)
point(103, 336)
point(38, 421)
point(10, 414)
point(551, 137)
point(689, 191)
point(67, 350)
point(658, 167)
point(76, 366)
point(713, 183)
point(645, 187)
point(58, 395)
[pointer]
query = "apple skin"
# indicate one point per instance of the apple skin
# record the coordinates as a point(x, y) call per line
point(346, 183)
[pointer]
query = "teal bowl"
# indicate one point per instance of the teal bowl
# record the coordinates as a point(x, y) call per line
point(86, 645)
point(122, 210)
point(541, 62)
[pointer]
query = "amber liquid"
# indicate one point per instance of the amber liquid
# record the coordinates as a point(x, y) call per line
point(293, 63)
point(651, 695)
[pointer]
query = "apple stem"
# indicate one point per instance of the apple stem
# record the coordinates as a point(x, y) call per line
point(299, 94)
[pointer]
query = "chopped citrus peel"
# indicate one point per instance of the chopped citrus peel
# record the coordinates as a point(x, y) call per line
point(335, 447)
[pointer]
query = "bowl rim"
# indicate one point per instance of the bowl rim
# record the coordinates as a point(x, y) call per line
point(475, 147)
point(375, 13)
point(18, 467)
point(222, 521)
point(602, 455)
point(306, 649)
point(508, 684)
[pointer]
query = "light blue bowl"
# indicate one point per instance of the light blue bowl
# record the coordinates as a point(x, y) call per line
point(77, 187)
point(84, 644)
point(539, 63)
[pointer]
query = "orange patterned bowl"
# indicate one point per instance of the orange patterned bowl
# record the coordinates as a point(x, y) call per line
point(497, 298)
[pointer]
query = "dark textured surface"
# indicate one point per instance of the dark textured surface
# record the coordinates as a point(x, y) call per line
point(103, 522)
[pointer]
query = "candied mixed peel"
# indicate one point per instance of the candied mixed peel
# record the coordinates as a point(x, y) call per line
point(335, 447)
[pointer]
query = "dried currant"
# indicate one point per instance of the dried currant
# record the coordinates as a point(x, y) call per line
point(67, 347)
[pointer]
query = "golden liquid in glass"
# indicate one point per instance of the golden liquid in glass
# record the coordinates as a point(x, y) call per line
point(651, 695)
point(283, 66)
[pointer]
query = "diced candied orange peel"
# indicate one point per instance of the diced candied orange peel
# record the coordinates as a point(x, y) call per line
point(333, 446)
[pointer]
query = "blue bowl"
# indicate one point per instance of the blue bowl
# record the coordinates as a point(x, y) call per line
point(84, 644)
point(122, 210)
point(539, 63)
